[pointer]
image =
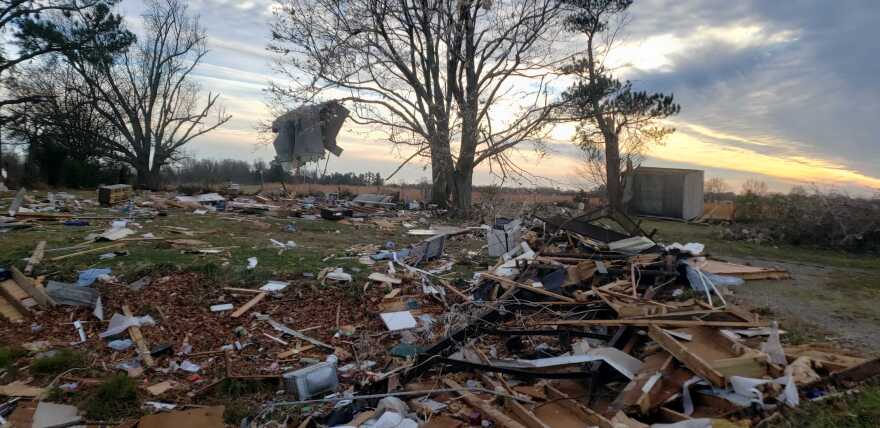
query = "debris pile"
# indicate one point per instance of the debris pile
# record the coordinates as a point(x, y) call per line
point(553, 322)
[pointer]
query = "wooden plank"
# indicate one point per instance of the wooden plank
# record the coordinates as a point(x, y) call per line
point(672, 416)
point(247, 306)
point(11, 299)
point(511, 283)
point(36, 257)
point(9, 311)
point(493, 413)
point(653, 322)
point(572, 405)
point(28, 286)
point(90, 250)
point(244, 290)
point(523, 414)
point(292, 352)
point(138, 337)
point(692, 361)
point(859, 373)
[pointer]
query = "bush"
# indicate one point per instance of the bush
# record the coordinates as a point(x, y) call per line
point(114, 399)
point(827, 220)
point(9, 355)
point(58, 363)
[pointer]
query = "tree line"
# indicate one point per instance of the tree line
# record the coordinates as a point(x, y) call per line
point(84, 92)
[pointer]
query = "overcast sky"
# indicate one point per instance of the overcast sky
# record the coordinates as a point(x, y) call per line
point(783, 91)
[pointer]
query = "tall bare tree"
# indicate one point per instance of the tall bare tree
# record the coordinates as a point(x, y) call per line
point(616, 122)
point(148, 93)
point(458, 82)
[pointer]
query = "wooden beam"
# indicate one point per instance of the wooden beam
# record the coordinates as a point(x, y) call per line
point(36, 257)
point(572, 405)
point(523, 414)
point(506, 282)
point(693, 361)
point(653, 322)
point(90, 250)
point(244, 290)
point(247, 306)
point(493, 413)
point(29, 287)
point(138, 337)
point(13, 301)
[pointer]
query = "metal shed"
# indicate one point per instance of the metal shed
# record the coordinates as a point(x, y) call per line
point(667, 192)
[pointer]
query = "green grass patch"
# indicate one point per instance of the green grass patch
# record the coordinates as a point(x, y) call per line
point(232, 388)
point(9, 355)
point(859, 410)
point(710, 235)
point(58, 363)
point(114, 399)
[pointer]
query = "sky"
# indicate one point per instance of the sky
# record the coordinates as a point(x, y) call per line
point(781, 91)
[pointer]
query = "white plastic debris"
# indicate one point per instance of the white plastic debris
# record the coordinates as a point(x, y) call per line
point(274, 286)
point(189, 366)
point(693, 248)
point(396, 321)
point(289, 245)
point(338, 275)
point(120, 345)
point(252, 263)
point(221, 307)
point(120, 323)
point(773, 347)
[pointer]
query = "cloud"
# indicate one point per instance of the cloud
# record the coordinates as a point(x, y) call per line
point(782, 90)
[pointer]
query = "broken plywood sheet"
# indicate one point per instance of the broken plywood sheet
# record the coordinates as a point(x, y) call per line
point(743, 271)
point(21, 389)
point(207, 417)
point(711, 354)
point(56, 415)
point(833, 361)
point(8, 311)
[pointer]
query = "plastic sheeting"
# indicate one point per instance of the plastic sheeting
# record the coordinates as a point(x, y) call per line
point(120, 323)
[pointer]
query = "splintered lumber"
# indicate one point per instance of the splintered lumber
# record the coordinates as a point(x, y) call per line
point(247, 306)
point(582, 412)
point(244, 290)
point(10, 306)
point(29, 287)
point(506, 282)
point(36, 257)
point(292, 352)
point(90, 250)
point(523, 414)
point(493, 413)
point(656, 322)
point(689, 359)
point(138, 337)
point(742, 271)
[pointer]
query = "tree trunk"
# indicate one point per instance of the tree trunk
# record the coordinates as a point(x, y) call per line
point(147, 178)
point(441, 172)
point(612, 170)
point(463, 194)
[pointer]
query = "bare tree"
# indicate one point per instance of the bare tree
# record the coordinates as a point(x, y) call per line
point(717, 185)
point(753, 186)
point(148, 94)
point(616, 123)
point(442, 78)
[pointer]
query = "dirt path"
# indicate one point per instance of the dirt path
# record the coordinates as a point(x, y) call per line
point(831, 304)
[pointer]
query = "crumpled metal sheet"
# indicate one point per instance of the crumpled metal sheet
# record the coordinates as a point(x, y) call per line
point(306, 133)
